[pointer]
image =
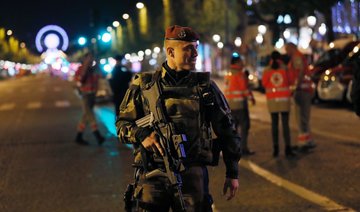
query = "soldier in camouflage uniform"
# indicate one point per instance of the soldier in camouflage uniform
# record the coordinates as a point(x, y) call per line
point(196, 107)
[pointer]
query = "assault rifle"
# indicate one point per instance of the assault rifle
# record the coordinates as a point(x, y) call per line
point(171, 142)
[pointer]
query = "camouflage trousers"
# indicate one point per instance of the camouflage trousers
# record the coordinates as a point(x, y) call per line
point(157, 194)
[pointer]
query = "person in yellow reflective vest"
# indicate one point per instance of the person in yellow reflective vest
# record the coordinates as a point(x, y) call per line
point(238, 92)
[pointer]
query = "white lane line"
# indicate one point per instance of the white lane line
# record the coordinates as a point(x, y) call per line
point(62, 103)
point(33, 105)
point(7, 106)
point(302, 192)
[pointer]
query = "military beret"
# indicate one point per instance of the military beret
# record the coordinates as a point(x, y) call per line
point(181, 33)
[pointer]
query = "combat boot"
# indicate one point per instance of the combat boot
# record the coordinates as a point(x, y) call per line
point(275, 151)
point(79, 139)
point(288, 152)
point(100, 139)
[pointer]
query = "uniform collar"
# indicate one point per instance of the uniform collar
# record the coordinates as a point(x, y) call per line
point(175, 76)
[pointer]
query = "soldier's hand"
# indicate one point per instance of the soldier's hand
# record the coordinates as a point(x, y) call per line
point(152, 144)
point(233, 185)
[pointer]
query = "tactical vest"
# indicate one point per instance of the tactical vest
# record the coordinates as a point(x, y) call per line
point(188, 107)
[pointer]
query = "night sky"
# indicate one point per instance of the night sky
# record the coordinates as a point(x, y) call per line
point(27, 18)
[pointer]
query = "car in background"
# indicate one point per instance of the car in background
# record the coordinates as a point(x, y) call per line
point(336, 53)
point(335, 83)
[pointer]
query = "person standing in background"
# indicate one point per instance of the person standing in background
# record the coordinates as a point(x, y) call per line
point(303, 89)
point(238, 92)
point(87, 78)
point(119, 82)
point(277, 87)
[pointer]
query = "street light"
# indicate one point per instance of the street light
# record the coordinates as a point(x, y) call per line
point(22, 45)
point(262, 29)
point(82, 41)
point(237, 42)
point(143, 19)
point(125, 16)
point(140, 5)
point(220, 45)
point(106, 37)
point(322, 29)
point(116, 24)
point(216, 38)
point(311, 20)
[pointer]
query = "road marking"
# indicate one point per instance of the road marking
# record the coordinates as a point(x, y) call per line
point(7, 106)
point(62, 103)
point(33, 105)
point(302, 192)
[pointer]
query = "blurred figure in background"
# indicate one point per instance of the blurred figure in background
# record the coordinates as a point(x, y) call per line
point(303, 93)
point(87, 78)
point(277, 87)
point(237, 92)
point(119, 82)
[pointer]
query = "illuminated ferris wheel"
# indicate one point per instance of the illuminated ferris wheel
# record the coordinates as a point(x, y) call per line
point(51, 37)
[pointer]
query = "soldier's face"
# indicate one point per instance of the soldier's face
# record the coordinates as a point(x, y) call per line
point(185, 54)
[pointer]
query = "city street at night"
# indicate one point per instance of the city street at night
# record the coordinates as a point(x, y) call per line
point(43, 169)
point(271, 88)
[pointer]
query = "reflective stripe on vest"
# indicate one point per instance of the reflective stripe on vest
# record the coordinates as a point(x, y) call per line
point(304, 138)
point(236, 88)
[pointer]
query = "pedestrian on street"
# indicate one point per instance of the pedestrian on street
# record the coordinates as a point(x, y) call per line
point(278, 95)
point(237, 92)
point(119, 82)
point(303, 92)
point(87, 77)
point(189, 104)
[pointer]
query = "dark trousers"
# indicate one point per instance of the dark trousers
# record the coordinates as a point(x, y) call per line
point(285, 127)
point(242, 121)
point(157, 194)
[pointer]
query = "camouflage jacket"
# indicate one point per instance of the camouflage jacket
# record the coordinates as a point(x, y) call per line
point(190, 111)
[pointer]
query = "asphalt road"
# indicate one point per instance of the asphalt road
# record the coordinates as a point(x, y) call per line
point(42, 169)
